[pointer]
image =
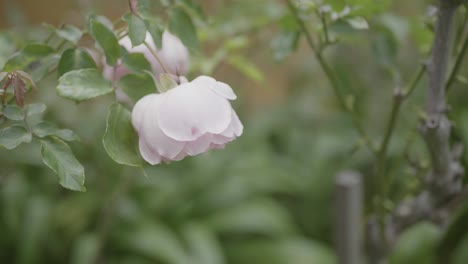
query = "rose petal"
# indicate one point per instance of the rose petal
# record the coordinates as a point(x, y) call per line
point(189, 111)
point(149, 154)
point(198, 146)
point(174, 54)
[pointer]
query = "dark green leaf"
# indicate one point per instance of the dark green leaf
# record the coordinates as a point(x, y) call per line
point(156, 31)
point(137, 85)
point(136, 62)
point(29, 54)
point(13, 136)
point(58, 156)
point(74, 59)
point(44, 129)
point(13, 112)
point(120, 140)
point(136, 29)
point(45, 66)
point(70, 33)
point(84, 84)
point(106, 39)
point(181, 25)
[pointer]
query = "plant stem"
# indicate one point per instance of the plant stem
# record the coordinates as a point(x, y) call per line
point(330, 76)
point(156, 56)
point(459, 59)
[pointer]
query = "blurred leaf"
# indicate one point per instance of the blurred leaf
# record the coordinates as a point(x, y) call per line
point(155, 241)
point(136, 29)
point(181, 25)
point(70, 33)
point(284, 44)
point(11, 137)
point(385, 47)
point(34, 232)
point(13, 112)
point(416, 245)
point(34, 109)
point(288, 250)
point(58, 156)
point(263, 216)
point(74, 59)
point(3, 75)
point(136, 62)
point(156, 31)
point(456, 232)
point(460, 254)
point(30, 53)
point(137, 85)
point(84, 84)
point(203, 245)
point(85, 249)
point(120, 140)
point(44, 129)
point(357, 22)
point(246, 67)
point(106, 39)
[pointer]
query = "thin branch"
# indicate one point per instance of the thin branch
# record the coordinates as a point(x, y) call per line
point(156, 56)
point(458, 61)
point(329, 74)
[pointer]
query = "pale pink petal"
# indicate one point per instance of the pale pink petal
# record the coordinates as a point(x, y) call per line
point(236, 124)
point(219, 88)
point(198, 146)
point(141, 107)
point(148, 153)
point(189, 111)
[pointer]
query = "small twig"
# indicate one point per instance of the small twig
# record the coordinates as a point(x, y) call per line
point(330, 76)
point(156, 56)
point(458, 61)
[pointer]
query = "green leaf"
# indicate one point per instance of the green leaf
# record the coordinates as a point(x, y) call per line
point(45, 66)
point(263, 216)
point(284, 44)
point(13, 112)
point(33, 109)
point(155, 30)
point(30, 53)
point(456, 232)
point(385, 47)
point(136, 29)
point(280, 251)
point(416, 245)
point(84, 84)
point(120, 140)
point(137, 85)
point(246, 67)
point(13, 136)
point(165, 83)
point(44, 129)
point(70, 33)
point(74, 59)
point(58, 156)
point(107, 40)
point(136, 62)
point(181, 25)
point(203, 244)
point(357, 23)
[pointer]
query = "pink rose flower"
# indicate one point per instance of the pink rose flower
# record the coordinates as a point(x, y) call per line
point(189, 119)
